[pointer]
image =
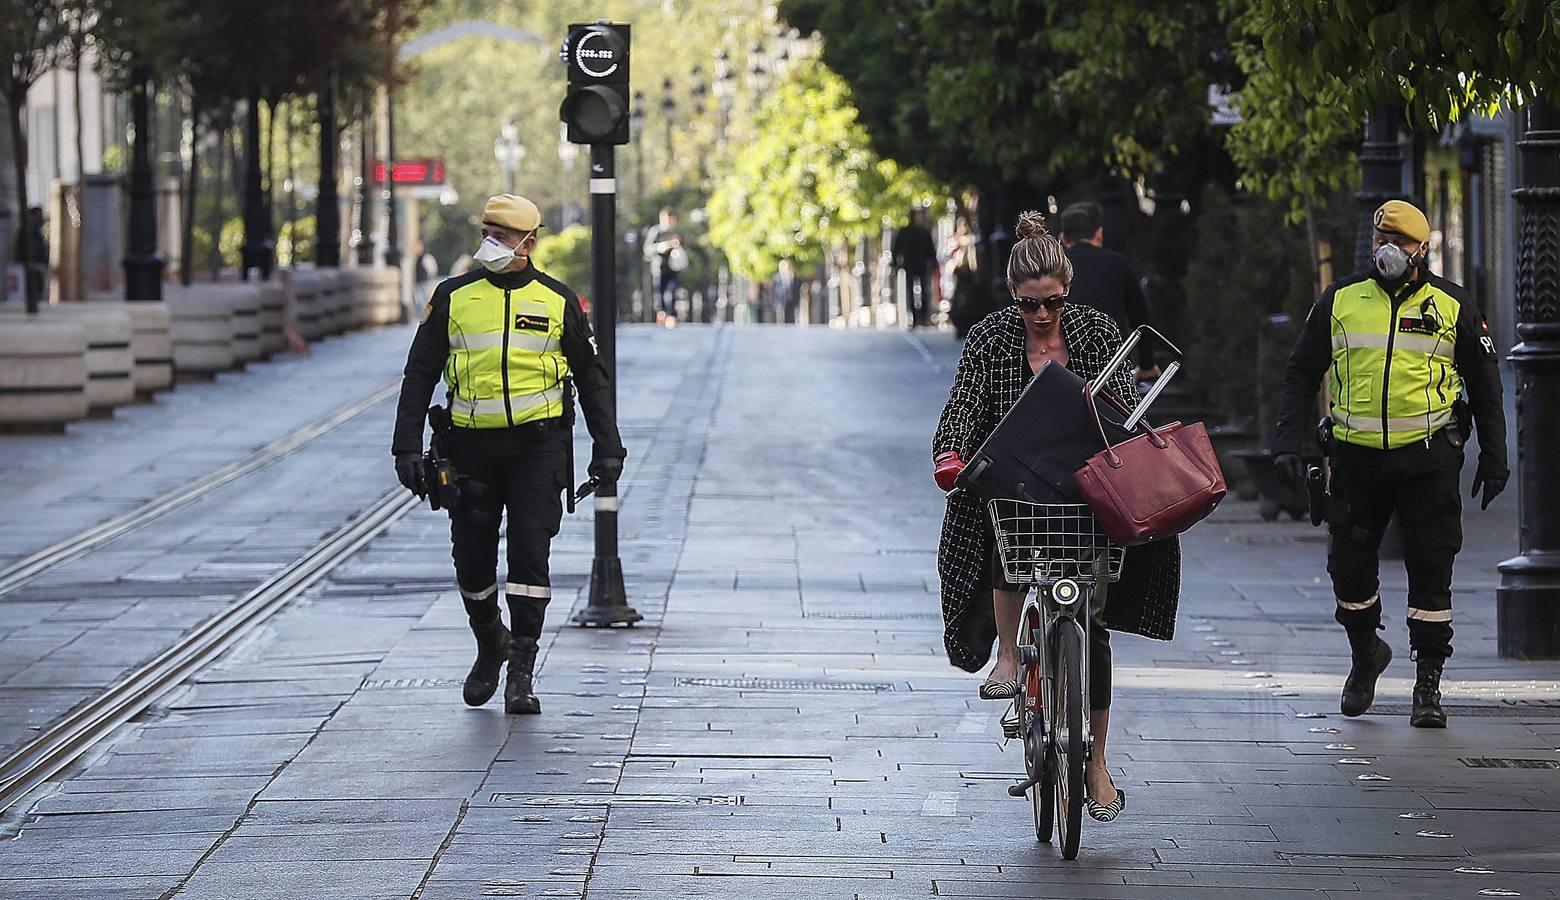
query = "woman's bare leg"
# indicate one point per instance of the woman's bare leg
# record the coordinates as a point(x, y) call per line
point(1009, 608)
point(1094, 774)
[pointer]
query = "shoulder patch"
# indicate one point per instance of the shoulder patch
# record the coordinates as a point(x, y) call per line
point(427, 311)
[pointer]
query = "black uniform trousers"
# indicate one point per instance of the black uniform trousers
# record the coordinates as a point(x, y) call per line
point(521, 472)
point(1420, 483)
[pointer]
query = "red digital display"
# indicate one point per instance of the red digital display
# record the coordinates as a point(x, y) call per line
point(425, 170)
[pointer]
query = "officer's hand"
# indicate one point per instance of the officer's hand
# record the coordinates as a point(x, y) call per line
point(408, 469)
point(1492, 478)
point(606, 469)
point(1290, 470)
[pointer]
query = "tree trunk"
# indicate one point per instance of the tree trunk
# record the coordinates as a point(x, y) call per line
point(187, 227)
point(81, 153)
point(16, 100)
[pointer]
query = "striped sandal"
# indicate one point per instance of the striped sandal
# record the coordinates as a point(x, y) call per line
point(1105, 812)
point(999, 690)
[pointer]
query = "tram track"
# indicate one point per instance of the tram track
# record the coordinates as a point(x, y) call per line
point(64, 741)
point(25, 570)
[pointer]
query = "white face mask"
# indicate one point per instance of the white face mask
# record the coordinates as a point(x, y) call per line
point(494, 255)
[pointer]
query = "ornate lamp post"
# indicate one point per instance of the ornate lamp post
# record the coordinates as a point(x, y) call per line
point(1527, 605)
point(509, 150)
point(668, 114)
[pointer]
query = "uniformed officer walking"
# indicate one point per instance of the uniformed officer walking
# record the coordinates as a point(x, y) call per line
point(505, 337)
point(1399, 347)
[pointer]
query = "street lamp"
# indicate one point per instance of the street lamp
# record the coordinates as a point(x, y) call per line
point(509, 150)
point(724, 87)
point(668, 112)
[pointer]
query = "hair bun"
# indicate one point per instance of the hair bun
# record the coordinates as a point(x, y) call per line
point(1031, 224)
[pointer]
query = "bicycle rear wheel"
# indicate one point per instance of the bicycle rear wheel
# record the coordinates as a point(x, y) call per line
point(1068, 745)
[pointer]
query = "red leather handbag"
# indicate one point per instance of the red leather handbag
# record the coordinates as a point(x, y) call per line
point(1154, 485)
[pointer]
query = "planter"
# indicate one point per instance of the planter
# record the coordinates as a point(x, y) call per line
point(1228, 442)
point(109, 360)
point(304, 295)
point(202, 330)
point(273, 317)
point(377, 295)
point(43, 372)
point(1276, 497)
point(151, 345)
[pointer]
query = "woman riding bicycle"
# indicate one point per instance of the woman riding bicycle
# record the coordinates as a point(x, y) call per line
point(1001, 355)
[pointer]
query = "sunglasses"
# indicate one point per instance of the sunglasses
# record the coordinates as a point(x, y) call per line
point(1031, 304)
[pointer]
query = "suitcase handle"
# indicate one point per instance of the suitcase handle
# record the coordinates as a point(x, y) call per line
point(1127, 346)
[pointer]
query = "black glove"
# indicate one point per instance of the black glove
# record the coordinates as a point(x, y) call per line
point(606, 469)
point(1290, 470)
point(408, 469)
point(1492, 478)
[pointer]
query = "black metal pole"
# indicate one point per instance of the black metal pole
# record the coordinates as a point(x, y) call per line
point(392, 231)
point(143, 264)
point(608, 599)
point(1381, 170)
point(364, 232)
point(327, 211)
point(255, 249)
point(1527, 605)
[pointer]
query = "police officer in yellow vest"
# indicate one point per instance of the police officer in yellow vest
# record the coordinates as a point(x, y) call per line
point(1399, 347)
point(505, 336)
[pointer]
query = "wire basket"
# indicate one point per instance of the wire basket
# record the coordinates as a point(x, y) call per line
point(1042, 542)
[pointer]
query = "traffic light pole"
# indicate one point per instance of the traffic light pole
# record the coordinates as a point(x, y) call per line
point(608, 599)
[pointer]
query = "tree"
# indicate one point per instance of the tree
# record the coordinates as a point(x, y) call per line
point(809, 182)
point(31, 34)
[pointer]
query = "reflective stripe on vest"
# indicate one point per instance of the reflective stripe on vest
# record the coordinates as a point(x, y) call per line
point(506, 364)
point(1394, 377)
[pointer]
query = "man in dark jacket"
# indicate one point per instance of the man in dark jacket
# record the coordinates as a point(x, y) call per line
point(1103, 278)
point(916, 255)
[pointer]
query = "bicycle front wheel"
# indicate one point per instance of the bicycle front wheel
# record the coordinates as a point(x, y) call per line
point(1068, 744)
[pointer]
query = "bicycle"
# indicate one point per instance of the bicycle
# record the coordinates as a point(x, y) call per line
point(1058, 548)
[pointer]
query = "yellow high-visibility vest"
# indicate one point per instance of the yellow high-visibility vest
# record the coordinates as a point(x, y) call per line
point(1394, 375)
point(506, 364)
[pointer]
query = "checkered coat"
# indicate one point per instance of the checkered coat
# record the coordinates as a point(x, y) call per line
point(993, 371)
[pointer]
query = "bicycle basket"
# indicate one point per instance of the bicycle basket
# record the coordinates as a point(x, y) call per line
point(1041, 542)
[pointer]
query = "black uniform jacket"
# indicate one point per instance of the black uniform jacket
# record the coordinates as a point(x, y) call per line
point(1474, 355)
point(431, 349)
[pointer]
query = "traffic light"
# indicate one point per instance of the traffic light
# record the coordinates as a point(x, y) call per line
point(596, 107)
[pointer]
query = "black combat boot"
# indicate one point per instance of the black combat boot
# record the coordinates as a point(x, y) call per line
point(492, 649)
point(518, 699)
point(1371, 655)
point(1427, 694)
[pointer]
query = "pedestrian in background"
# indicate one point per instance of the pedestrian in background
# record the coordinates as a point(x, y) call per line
point(668, 259)
point(915, 254)
point(979, 604)
point(32, 246)
point(1104, 279)
point(1398, 346)
point(505, 337)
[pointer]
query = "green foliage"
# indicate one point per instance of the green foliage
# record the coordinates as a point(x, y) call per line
point(1027, 92)
point(1443, 59)
point(566, 256)
point(1294, 146)
point(295, 242)
point(809, 181)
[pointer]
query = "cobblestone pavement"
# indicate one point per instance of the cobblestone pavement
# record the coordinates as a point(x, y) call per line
point(783, 723)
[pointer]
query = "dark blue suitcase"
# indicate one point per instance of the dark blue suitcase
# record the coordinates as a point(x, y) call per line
point(1046, 437)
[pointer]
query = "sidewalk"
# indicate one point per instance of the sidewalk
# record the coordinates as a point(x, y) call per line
point(784, 722)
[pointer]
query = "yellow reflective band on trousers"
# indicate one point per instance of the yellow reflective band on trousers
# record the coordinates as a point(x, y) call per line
point(1394, 374)
point(506, 365)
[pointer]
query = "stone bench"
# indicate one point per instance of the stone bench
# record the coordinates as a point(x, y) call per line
point(43, 372)
point(376, 295)
point(274, 317)
point(108, 356)
point(204, 329)
point(305, 297)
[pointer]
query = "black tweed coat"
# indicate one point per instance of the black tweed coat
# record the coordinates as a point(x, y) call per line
point(993, 371)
